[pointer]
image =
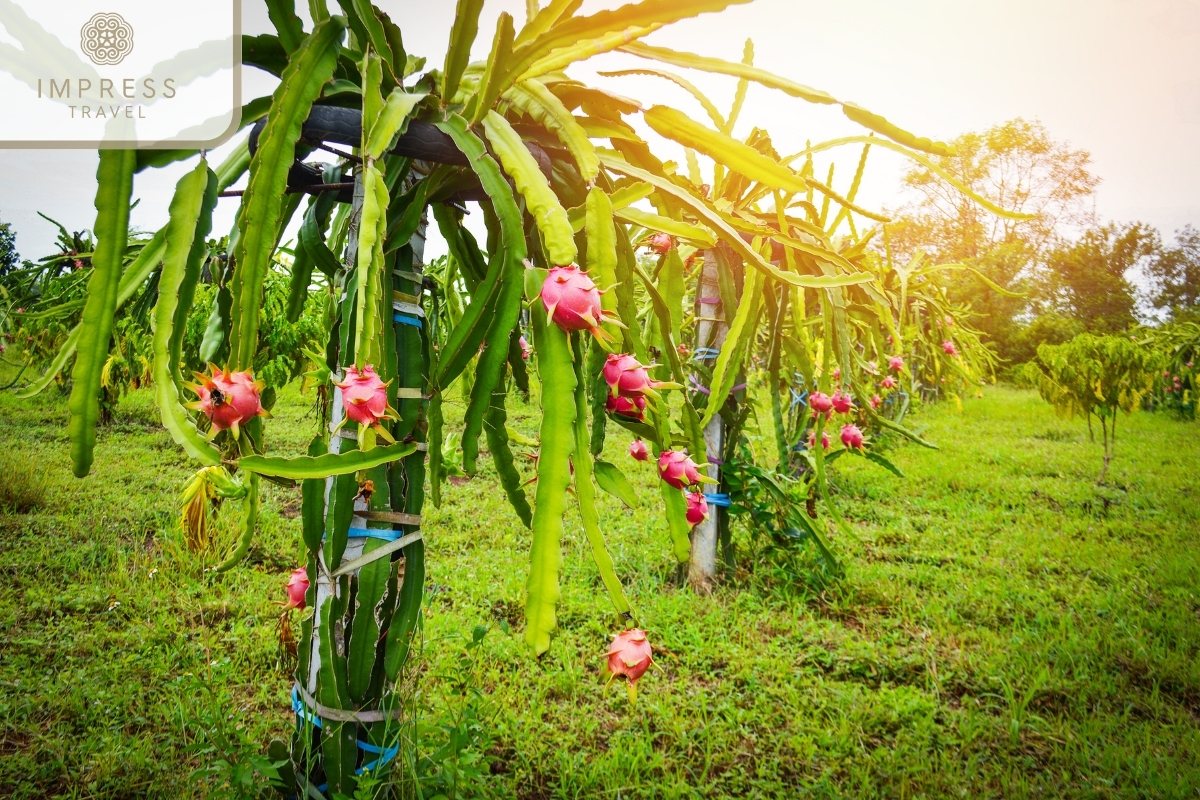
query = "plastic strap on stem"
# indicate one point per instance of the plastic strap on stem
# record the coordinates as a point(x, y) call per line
point(698, 387)
point(403, 320)
point(411, 309)
point(710, 301)
point(706, 353)
point(377, 553)
point(382, 534)
point(719, 500)
point(302, 701)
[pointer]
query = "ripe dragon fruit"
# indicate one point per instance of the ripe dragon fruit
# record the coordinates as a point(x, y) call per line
point(949, 349)
point(812, 440)
point(632, 407)
point(876, 402)
point(364, 396)
point(677, 469)
point(526, 350)
point(852, 437)
point(697, 508)
point(895, 363)
point(842, 402)
point(629, 657)
point(626, 377)
point(228, 399)
point(820, 403)
point(573, 301)
point(659, 243)
point(888, 383)
point(297, 587)
point(638, 451)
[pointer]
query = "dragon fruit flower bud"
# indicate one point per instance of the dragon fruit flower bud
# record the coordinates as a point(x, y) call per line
point(888, 383)
point(526, 350)
point(1191, 364)
point(677, 469)
point(820, 403)
point(572, 300)
point(852, 437)
point(638, 451)
point(812, 440)
point(895, 363)
point(364, 396)
point(629, 657)
point(632, 407)
point(297, 587)
point(842, 402)
point(949, 349)
point(697, 508)
point(228, 399)
point(660, 243)
point(876, 401)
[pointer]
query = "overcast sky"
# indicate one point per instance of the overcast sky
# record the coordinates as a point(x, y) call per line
point(1119, 78)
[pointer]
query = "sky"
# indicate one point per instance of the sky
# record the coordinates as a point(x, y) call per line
point(1118, 78)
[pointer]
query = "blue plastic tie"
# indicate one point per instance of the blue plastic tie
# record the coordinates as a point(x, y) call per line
point(382, 534)
point(705, 353)
point(404, 319)
point(719, 500)
point(799, 399)
point(386, 754)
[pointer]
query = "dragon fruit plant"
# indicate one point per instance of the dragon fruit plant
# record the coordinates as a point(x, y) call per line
point(428, 141)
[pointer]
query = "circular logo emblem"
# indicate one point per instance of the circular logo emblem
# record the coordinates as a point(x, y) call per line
point(106, 39)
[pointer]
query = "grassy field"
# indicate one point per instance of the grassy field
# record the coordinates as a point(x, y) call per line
point(1006, 629)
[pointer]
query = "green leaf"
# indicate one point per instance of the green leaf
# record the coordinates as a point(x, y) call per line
point(191, 219)
point(725, 150)
point(458, 53)
point(883, 462)
point(554, 478)
point(115, 185)
point(392, 121)
point(613, 481)
point(719, 67)
point(310, 67)
point(305, 467)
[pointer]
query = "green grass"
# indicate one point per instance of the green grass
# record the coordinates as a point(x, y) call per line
point(1006, 627)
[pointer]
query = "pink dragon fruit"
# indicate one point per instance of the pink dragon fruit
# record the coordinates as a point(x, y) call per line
point(228, 399)
point(949, 349)
point(573, 301)
point(629, 657)
point(526, 350)
point(632, 407)
point(697, 508)
point(837, 373)
point(888, 383)
point(820, 403)
point(842, 402)
point(1166, 373)
point(627, 377)
point(677, 469)
point(364, 396)
point(895, 363)
point(812, 440)
point(297, 587)
point(852, 437)
point(638, 450)
point(1191, 364)
point(660, 243)
point(876, 402)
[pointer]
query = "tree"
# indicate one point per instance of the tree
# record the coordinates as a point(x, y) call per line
point(1174, 274)
point(1095, 376)
point(1088, 280)
point(8, 249)
point(1024, 169)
